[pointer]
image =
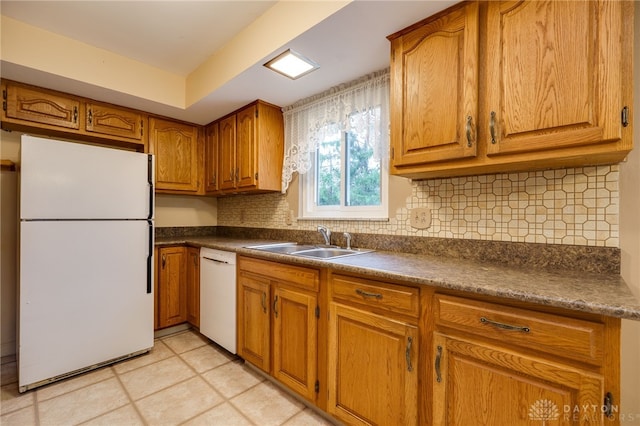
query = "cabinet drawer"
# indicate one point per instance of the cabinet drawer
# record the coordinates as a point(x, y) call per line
point(296, 276)
point(395, 298)
point(558, 335)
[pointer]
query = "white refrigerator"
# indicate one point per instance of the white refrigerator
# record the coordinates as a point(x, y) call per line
point(85, 294)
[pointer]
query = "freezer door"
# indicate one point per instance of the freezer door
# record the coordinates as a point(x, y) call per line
point(83, 295)
point(66, 180)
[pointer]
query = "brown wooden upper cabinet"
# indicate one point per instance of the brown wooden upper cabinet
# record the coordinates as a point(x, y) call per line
point(212, 142)
point(113, 121)
point(176, 147)
point(496, 86)
point(37, 106)
point(435, 90)
point(42, 111)
point(250, 149)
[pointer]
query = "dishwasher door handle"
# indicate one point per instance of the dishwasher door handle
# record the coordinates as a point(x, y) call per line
point(216, 260)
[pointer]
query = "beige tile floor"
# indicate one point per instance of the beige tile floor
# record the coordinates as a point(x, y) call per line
point(184, 380)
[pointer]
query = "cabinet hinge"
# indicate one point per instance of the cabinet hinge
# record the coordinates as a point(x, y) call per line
point(318, 312)
point(256, 175)
point(624, 116)
point(317, 386)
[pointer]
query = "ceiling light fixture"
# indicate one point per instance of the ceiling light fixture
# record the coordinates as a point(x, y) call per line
point(291, 64)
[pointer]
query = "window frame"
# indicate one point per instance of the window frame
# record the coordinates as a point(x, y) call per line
point(309, 209)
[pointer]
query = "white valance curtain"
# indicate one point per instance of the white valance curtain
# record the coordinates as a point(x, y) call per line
point(361, 105)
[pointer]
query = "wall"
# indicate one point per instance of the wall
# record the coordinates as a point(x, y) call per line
point(185, 210)
point(171, 210)
point(630, 247)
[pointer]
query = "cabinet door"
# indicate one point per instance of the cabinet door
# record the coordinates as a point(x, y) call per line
point(176, 148)
point(253, 320)
point(172, 289)
point(30, 104)
point(211, 157)
point(112, 121)
point(246, 147)
point(474, 383)
point(434, 90)
point(193, 286)
point(373, 371)
point(227, 151)
point(553, 70)
point(295, 337)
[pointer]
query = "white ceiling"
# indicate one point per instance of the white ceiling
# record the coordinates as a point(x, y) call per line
point(178, 36)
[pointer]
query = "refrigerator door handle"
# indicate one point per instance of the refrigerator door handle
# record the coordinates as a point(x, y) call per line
point(150, 180)
point(150, 259)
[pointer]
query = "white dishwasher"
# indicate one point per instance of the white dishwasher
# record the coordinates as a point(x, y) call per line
point(218, 297)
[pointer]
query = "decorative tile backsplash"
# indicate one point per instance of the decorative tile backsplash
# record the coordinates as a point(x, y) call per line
point(577, 206)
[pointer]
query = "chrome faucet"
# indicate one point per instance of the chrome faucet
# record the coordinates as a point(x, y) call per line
point(326, 234)
point(347, 237)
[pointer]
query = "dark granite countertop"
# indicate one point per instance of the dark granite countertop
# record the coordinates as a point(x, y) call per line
point(597, 293)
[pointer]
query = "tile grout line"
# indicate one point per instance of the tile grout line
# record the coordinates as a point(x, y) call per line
point(131, 401)
point(225, 399)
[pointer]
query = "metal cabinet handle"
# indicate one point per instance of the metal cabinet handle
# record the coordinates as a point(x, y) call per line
point(367, 294)
point(90, 116)
point(504, 326)
point(438, 357)
point(275, 306)
point(492, 126)
point(75, 114)
point(407, 353)
point(264, 302)
point(469, 131)
point(164, 260)
point(141, 128)
point(624, 116)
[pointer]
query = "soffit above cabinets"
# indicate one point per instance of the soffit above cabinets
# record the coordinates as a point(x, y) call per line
point(197, 61)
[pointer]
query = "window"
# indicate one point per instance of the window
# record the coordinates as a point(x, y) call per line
point(337, 142)
point(346, 179)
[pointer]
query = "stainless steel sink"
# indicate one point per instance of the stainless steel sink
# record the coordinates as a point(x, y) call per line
point(283, 248)
point(310, 251)
point(329, 252)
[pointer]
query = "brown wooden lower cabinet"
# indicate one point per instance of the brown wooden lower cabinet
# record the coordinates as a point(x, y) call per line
point(480, 383)
point(390, 353)
point(177, 286)
point(373, 370)
point(254, 315)
point(172, 289)
point(373, 351)
point(497, 364)
point(193, 286)
point(278, 322)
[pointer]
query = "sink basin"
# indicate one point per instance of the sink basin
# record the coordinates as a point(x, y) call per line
point(329, 252)
point(308, 250)
point(283, 248)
